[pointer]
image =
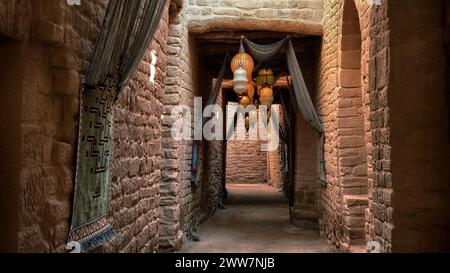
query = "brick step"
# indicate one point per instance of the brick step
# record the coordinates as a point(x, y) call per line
point(358, 249)
point(355, 233)
point(354, 218)
point(355, 221)
point(355, 205)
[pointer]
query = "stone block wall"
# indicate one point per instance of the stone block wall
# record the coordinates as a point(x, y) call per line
point(212, 187)
point(281, 15)
point(180, 197)
point(376, 76)
point(305, 173)
point(136, 174)
point(180, 201)
point(51, 46)
point(275, 172)
point(331, 100)
point(246, 162)
point(403, 173)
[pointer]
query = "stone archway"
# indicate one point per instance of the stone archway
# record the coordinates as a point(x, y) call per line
point(351, 133)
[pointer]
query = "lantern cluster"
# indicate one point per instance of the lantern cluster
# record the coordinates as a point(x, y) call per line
point(266, 79)
point(242, 66)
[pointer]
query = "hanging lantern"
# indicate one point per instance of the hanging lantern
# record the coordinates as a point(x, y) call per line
point(267, 96)
point(244, 101)
point(265, 77)
point(250, 91)
point(240, 81)
point(245, 60)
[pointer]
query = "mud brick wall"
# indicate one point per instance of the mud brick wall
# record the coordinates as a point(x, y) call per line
point(51, 43)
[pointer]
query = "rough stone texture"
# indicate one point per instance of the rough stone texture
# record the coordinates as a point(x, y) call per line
point(343, 104)
point(10, 10)
point(51, 51)
point(215, 168)
point(305, 174)
point(246, 162)
point(275, 172)
point(45, 116)
point(275, 168)
point(402, 172)
point(382, 104)
point(418, 133)
point(180, 198)
point(299, 16)
point(136, 175)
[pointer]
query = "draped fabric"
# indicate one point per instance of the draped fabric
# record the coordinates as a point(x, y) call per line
point(302, 96)
point(217, 84)
point(299, 90)
point(264, 53)
point(127, 30)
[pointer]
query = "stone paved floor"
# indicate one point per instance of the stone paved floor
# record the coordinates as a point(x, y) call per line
point(256, 221)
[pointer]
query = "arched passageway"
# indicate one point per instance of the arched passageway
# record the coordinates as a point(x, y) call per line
point(378, 76)
point(288, 175)
point(353, 133)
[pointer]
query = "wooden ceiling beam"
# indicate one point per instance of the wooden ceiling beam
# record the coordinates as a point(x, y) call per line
point(281, 83)
point(253, 35)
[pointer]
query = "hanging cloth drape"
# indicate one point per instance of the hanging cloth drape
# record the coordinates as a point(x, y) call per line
point(299, 90)
point(264, 53)
point(126, 32)
point(302, 96)
point(321, 155)
point(212, 99)
point(217, 85)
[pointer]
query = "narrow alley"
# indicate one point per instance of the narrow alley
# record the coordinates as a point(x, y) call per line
point(255, 126)
point(256, 220)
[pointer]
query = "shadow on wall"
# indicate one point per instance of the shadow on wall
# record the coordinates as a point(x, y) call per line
point(10, 144)
point(419, 128)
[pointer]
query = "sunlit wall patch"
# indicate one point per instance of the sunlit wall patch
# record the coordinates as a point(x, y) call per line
point(153, 62)
point(73, 2)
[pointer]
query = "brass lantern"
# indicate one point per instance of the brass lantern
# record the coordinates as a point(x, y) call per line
point(265, 77)
point(245, 101)
point(266, 97)
point(240, 81)
point(245, 60)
